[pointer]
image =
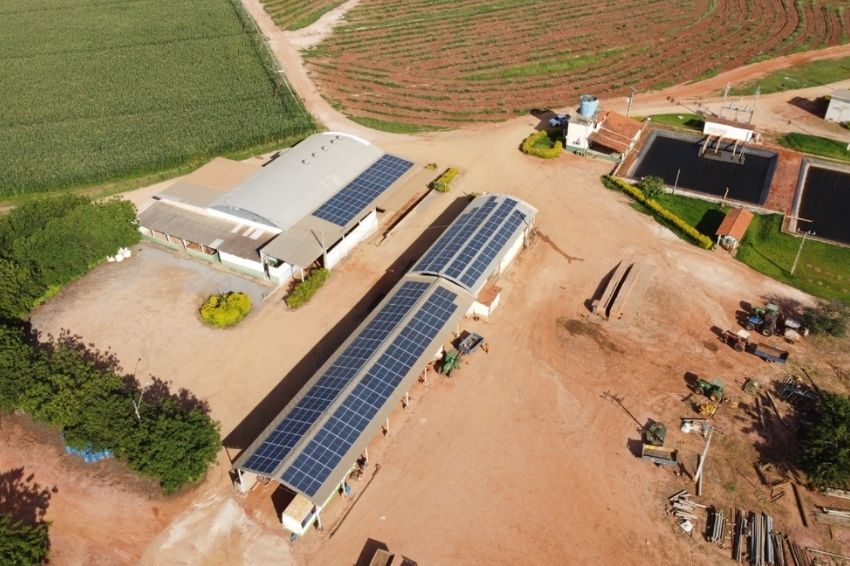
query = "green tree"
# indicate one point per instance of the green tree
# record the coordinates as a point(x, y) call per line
point(827, 317)
point(652, 187)
point(16, 367)
point(22, 544)
point(19, 288)
point(173, 443)
point(825, 434)
point(31, 217)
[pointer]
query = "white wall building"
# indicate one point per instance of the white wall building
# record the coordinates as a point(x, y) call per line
point(839, 107)
point(314, 202)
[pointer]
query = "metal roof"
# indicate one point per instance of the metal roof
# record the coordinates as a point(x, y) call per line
point(841, 94)
point(473, 246)
point(312, 443)
point(299, 181)
point(209, 182)
point(229, 237)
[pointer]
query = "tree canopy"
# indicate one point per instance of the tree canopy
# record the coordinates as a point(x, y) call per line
point(826, 441)
point(49, 242)
point(22, 544)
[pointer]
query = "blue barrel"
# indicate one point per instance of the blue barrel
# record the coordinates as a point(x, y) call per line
point(587, 105)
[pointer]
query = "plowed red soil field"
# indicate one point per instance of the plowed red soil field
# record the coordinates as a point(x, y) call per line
point(437, 63)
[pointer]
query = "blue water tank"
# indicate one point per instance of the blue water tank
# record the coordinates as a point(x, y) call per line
point(587, 105)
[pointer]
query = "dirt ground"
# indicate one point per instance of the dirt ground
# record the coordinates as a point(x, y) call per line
point(522, 457)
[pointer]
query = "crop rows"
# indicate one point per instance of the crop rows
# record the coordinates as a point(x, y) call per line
point(443, 62)
point(296, 14)
point(107, 89)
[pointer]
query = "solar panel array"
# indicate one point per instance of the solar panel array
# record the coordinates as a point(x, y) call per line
point(473, 241)
point(353, 198)
point(313, 466)
point(271, 452)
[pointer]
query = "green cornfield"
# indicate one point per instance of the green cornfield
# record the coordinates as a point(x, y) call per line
point(101, 90)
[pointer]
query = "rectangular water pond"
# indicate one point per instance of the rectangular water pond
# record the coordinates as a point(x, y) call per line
point(667, 153)
point(826, 202)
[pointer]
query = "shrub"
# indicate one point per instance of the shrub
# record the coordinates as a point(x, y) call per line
point(431, 167)
point(701, 239)
point(442, 184)
point(652, 187)
point(304, 291)
point(225, 310)
point(539, 144)
point(827, 317)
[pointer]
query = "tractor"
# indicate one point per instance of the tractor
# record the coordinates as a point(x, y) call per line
point(763, 319)
point(654, 433)
point(711, 389)
point(451, 360)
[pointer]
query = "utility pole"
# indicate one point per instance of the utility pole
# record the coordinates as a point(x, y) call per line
point(802, 240)
point(806, 234)
point(629, 100)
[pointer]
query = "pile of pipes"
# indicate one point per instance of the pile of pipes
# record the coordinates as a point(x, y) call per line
point(765, 546)
point(793, 390)
point(833, 516)
point(717, 527)
point(681, 507)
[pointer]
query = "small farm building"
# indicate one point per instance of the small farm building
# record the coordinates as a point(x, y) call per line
point(839, 107)
point(592, 130)
point(733, 228)
point(314, 202)
point(313, 445)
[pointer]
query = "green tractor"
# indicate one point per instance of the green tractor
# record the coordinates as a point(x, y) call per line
point(451, 360)
point(711, 389)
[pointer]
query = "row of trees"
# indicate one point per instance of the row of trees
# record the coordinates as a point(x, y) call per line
point(46, 243)
point(61, 382)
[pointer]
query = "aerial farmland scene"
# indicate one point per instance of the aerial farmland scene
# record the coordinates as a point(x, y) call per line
point(418, 282)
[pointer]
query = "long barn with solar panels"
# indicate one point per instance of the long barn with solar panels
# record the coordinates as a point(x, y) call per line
point(312, 446)
point(314, 202)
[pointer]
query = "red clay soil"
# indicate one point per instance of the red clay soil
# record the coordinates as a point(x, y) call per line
point(99, 513)
point(784, 185)
point(441, 65)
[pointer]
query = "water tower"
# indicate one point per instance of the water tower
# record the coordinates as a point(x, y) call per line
point(588, 105)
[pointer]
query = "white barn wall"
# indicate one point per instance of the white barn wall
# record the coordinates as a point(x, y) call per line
point(241, 264)
point(366, 228)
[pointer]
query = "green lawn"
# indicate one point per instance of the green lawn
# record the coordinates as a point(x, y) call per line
point(811, 74)
point(688, 121)
point(823, 269)
point(95, 92)
point(703, 215)
point(816, 145)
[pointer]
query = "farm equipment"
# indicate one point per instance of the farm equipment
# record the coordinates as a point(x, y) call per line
point(470, 343)
point(740, 341)
point(770, 353)
point(763, 319)
point(711, 389)
point(654, 434)
point(451, 360)
point(659, 455)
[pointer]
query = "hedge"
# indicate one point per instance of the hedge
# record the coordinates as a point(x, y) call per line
point(225, 310)
point(530, 146)
point(442, 184)
point(304, 291)
point(700, 239)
